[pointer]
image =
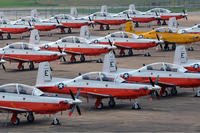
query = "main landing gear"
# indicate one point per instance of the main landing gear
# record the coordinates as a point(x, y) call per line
point(31, 65)
point(73, 59)
point(62, 30)
point(136, 105)
point(99, 104)
point(169, 91)
point(55, 121)
point(9, 36)
point(15, 120)
point(20, 66)
point(167, 48)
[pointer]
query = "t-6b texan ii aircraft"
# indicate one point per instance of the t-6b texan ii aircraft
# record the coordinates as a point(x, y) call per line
point(19, 98)
point(98, 85)
point(22, 52)
point(166, 75)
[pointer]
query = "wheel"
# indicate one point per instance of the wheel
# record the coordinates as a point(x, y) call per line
point(8, 36)
point(173, 46)
point(1, 37)
point(166, 47)
point(164, 23)
point(136, 24)
point(111, 103)
point(174, 91)
point(191, 49)
point(107, 27)
point(15, 121)
point(101, 27)
point(136, 106)
point(130, 52)
point(30, 117)
point(148, 54)
point(69, 30)
point(100, 106)
point(164, 94)
point(82, 58)
point(31, 66)
point(55, 122)
point(20, 67)
point(159, 23)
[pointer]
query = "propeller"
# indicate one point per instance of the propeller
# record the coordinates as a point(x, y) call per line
point(61, 51)
point(111, 44)
point(57, 21)
point(184, 12)
point(153, 84)
point(29, 23)
point(2, 64)
point(74, 105)
point(157, 36)
point(128, 16)
point(91, 23)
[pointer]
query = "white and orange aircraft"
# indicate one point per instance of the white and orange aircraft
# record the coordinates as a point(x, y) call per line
point(104, 18)
point(69, 21)
point(181, 58)
point(75, 45)
point(36, 23)
point(166, 75)
point(137, 16)
point(6, 27)
point(166, 14)
point(98, 85)
point(22, 52)
point(19, 98)
point(124, 40)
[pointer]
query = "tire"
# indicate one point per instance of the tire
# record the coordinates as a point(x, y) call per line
point(136, 106)
point(111, 103)
point(55, 122)
point(165, 94)
point(174, 91)
point(82, 58)
point(30, 118)
point(100, 106)
point(16, 122)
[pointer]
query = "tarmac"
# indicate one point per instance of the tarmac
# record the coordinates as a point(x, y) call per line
point(171, 114)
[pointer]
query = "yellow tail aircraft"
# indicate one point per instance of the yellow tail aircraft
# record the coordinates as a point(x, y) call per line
point(169, 35)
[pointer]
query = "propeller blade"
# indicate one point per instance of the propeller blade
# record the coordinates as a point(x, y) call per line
point(71, 111)
point(72, 95)
point(157, 37)
point(128, 16)
point(110, 42)
point(78, 109)
point(89, 18)
point(157, 95)
point(60, 50)
point(29, 23)
point(184, 11)
point(3, 66)
point(157, 78)
point(57, 21)
point(151, 81)
point(64, 59)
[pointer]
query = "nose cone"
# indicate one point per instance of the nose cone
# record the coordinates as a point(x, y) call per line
point(156, 87)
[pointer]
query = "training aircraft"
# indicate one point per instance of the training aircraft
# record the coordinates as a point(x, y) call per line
point(166, 14)
point(75, 45)
point(22, 52)
point(137, 16)
point(68, 21)
point(126, 40)
point(19, 98)
point(104, 18)
point(169, 35)
point(98, 85)
point(166, 75)
point(6, 27)
point(191, 30)
point(181, 58)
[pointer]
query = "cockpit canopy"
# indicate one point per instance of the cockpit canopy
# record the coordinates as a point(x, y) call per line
point(166, 29)
point(20, 89)
point(21, 45)
point(100, 14)
point(100, 76)
point(73, 39)
point(63, 17)
point(121, 34)
point(162, 66)
point(159, 10)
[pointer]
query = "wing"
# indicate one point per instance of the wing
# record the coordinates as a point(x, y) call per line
point(15, 59)
point(95, 95)
point(12, 109)
point(164, 85)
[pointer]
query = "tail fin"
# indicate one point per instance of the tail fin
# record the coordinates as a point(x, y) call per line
point(129, 27)
point(34, 13)
point(84, 32)
point(180, 55)
point(109, 64)
point(34, 37)
point(74, 12)
point(104, 8)
point(131, 7)
point(173, 22)
point(44, 73)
